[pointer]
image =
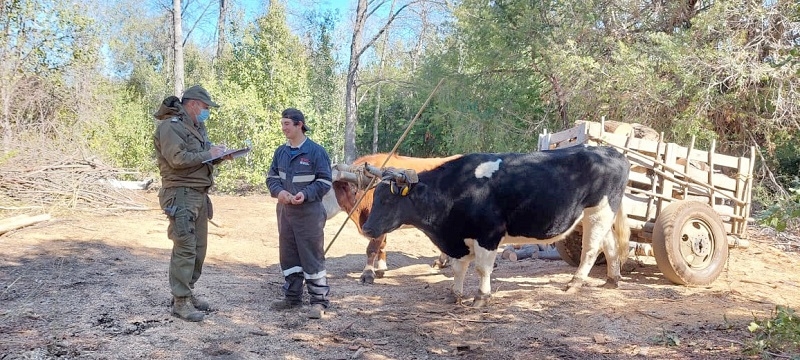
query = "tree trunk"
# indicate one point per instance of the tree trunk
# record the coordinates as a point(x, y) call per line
point(6, 124)
point(221, 41)
point(351, 88)
point(378, 94)
point(351, 111)
point(177, 46)
point(350, 116)
point(561, 99)
point(417, 54)
point(377, 118)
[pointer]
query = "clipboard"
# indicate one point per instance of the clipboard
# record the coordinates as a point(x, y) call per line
point(235, 153)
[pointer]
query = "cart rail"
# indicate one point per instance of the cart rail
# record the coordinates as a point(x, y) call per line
point(663, 173)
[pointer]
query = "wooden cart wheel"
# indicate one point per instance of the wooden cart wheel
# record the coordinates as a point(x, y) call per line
point(570, 250)
point(689, 243)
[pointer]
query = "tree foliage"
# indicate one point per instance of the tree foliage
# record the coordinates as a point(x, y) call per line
point(325, 83)
point(124, 135)
point(43, 44)
point(718, 70)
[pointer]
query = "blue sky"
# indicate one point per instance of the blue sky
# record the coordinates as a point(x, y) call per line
point(345, 8)
point(255, 7)
point(205, 30)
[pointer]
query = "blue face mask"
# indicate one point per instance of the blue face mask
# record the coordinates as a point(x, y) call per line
point(203, 115)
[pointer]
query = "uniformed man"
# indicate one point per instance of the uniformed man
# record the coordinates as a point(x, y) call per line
point(299, 177)
point(183, 151)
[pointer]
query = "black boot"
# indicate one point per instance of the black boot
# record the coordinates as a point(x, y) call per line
point(318, 290)
point(292, 291)
point(285, 304)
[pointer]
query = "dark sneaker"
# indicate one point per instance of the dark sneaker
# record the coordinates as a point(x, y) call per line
point(285, 304)
point(316, 311)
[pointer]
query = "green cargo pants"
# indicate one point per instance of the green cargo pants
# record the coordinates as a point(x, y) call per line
point(187, 210)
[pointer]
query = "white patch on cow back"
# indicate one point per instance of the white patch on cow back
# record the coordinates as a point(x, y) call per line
point(487, 169)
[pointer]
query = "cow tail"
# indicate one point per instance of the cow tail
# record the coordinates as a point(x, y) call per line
point(623, 233)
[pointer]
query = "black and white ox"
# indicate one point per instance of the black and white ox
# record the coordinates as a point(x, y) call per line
point(471, 205)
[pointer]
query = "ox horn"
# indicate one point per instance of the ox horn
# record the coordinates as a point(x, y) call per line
point(354, 174)
point(405, 176)
point(372, 171)
point(412, 176)
point(340, 175)
point(346, 168)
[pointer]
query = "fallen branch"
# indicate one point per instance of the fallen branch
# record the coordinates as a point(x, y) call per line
point(12, 284)
point(456, 319)
point(758, 283)
point(732, 341)
point(767, 352)
point(21, 221)
point(651, 315)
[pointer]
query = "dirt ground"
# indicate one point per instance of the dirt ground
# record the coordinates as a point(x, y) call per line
point(94, 286)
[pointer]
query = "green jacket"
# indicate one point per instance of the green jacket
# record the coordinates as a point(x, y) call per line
point(181, 148)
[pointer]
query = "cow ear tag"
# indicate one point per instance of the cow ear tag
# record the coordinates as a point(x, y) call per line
point(403, 190)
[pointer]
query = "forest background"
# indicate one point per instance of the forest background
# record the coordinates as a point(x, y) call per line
point(81, 79)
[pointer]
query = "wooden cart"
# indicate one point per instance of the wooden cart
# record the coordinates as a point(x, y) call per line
point(691, 205)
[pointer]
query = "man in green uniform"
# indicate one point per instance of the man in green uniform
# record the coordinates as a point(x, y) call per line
point(184, 153)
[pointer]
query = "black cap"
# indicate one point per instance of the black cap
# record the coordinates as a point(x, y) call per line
point(295, 115)
point(198, 93)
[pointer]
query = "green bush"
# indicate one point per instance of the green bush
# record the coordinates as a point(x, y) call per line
point(778, 334)
point(124, 137)
point(243, 121)
point(784, 213)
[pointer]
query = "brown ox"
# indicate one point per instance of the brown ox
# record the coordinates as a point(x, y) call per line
point(347, 194)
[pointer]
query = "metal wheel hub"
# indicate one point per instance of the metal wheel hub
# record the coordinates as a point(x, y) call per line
point(697, 243)
point(701, 245)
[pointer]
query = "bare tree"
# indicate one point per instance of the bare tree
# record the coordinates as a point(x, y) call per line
point(31, 50)
point(177, 46)
point(363, 11)
point(223, 12)
point(377, 117)
point(424, 27)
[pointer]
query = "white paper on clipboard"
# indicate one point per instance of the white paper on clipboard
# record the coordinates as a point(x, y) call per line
point(234, 153)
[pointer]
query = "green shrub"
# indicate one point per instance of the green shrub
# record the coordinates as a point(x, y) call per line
point(778, 334)
point(784, 213)
point(241, 121)
point(124, 136)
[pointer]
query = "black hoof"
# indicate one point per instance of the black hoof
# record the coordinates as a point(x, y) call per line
point(453, 299)
point(611, 284)
point(573, 287)
point(481, 301)
point(367, 278)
